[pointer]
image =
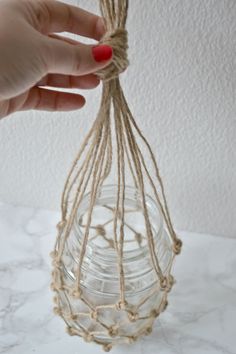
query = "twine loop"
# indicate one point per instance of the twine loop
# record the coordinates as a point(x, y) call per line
point(177, 246)
point(71, 331)
point(133, 316)
point(94, 315)
point(118, 40)
point(148, 331)
point(121, 305)
point(155, 313)
point(107, 347)
point(76, 293)
point(113, 331)
point(88, 337)
point(163, 283)
point(57, 311)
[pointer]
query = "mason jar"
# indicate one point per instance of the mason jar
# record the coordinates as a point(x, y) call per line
point(95, 314)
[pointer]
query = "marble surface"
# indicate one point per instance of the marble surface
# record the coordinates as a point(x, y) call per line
point(200, 318)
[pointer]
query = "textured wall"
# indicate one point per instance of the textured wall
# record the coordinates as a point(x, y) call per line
point(181, 88)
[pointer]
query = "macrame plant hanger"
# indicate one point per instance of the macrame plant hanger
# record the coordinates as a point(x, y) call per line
point(114, 141)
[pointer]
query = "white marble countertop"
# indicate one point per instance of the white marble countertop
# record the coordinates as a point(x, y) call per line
point(200, 318)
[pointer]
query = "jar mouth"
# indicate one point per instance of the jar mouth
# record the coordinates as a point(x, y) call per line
point(132, 249)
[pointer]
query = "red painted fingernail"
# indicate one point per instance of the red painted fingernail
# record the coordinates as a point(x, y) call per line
point(102, 52)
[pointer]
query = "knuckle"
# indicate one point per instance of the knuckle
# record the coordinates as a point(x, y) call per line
point(43, 15)
point(69, 23)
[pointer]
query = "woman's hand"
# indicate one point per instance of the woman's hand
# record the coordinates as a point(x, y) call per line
point(32, 55)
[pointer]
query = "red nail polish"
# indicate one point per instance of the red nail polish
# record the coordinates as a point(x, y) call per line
point(102, 52)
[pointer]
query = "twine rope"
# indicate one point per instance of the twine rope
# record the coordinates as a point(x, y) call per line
point(90, 169)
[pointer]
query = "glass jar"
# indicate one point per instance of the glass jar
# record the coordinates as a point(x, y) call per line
point(96, 315)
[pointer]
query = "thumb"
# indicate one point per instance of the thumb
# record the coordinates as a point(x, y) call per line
point(68, 58)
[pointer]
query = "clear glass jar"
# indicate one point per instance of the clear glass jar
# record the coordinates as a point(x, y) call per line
point(100, 276)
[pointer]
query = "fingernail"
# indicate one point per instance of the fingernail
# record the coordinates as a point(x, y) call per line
point(102, 52)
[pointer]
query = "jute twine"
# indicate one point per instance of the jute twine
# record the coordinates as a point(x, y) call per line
point(89, 171)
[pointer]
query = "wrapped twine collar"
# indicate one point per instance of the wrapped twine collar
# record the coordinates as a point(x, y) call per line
point(115, 16)
point(118, 40)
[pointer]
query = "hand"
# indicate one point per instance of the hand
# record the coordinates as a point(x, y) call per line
point(33, 56)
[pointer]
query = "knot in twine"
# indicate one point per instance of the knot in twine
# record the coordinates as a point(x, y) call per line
point(113, 331)
point(88, 337)
point(133, 316)
point(148, 331)
point(118, 40)
point(177, 246)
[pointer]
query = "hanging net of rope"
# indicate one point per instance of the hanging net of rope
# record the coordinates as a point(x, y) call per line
point(116, 243)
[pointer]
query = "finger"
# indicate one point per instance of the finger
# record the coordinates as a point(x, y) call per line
point(49, 100)
point(68, 59)
point(89, 81)
point(55, 16)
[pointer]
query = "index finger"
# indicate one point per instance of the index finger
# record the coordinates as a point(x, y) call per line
point(56, 16)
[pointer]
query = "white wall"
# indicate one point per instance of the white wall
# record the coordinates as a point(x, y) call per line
point(181, 88)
